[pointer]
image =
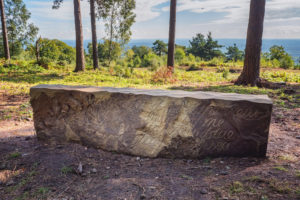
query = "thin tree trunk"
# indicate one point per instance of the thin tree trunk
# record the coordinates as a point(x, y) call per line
point(251, 71)
point(80, 62)
point(94, 35)
point(4, 31)
point(172, 29)
point(37, 49)
point(111, 32)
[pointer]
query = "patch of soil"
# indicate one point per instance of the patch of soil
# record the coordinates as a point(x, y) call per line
point(14, 107)
point(30, 169)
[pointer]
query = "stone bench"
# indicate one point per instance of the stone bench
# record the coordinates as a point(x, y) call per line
point(153, 123)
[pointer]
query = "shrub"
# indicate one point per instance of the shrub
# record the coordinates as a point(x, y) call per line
point(194, 67)
point(44, 62)
point(275, 63)
point(54, 50)
point(122, 71)
point(225, 74)
point(215, 62)
point(137, 62)
point(163, 75)
point(151, 60)
point(179, 55)
point(286, 62)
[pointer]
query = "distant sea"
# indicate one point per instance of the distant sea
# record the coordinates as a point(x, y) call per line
point(292, 46)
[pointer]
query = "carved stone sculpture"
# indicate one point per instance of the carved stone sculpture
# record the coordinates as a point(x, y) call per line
point(153, 123)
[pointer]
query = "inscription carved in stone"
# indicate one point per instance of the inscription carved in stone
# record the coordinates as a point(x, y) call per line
point(153, 123)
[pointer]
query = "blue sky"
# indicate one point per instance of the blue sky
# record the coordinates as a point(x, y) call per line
point(224, 18)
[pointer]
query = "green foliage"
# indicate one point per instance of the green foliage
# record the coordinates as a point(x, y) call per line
point(236, 187)
point(159, 48)
point(278, 57)
point(53, 51)
point(20, 31)
point(107, 50)
point(141, 51)
point(215, 62)
point(122, 71)
point(277, 52)
point(137, 62)
point(66, 170)
point(15, 155)
point(234, 54)
point(119, 17)
point(287, 62)
point(280, 168)
point(179, 55)
point(205, 48)
point(151, 60)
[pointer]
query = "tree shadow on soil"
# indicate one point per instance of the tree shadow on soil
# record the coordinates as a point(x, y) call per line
point(110, 175)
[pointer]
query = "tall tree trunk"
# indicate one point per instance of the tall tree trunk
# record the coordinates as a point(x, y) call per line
point(4, 31)
point(94, 35)
point(80, 62)
point(37, 49)
point(251, 71)
point(112, 20)
point(172, 30)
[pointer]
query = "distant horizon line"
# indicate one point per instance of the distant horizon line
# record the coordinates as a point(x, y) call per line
point(190, 39)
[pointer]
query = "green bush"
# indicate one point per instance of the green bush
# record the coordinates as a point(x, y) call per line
point(137, 62)
point(44, 62)
point(179, 55)
point(122, 71)
point(287, 62)
point(215, 62)
point(151, 60)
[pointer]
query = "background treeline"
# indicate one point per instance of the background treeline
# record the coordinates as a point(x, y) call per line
point(113, 51)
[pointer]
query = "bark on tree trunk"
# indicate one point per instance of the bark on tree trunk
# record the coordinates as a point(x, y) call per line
point(251, 72)
point(80, 62)
point(94, 35)
point(4, 31)
point(112, 19)
point(172, 30)
point(37, 50)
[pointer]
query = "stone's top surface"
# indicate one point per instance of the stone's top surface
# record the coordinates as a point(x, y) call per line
point(167, 93)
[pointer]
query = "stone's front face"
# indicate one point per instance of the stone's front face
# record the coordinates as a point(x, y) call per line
point(153, 123)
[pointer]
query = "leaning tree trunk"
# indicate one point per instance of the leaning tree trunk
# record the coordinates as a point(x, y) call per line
point(172, 29)
point(80, 62)
point(4, 31)
point(250, 74)
point(94, 35)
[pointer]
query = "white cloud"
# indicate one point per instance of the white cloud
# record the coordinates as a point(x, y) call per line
point(282, 18)
point(145, 9)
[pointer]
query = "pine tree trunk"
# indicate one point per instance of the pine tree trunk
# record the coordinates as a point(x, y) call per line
point(251, 71)
point(4, 31)
point(80, 62)
point(94, 35)
point(172, 29)
point(37, 50)
point(112, 19)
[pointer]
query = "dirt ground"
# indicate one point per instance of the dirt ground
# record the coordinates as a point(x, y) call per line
point(30, 169)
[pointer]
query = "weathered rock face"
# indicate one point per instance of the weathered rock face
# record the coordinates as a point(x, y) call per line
point(153, 123)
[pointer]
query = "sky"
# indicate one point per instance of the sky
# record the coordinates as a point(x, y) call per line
point(224, 18)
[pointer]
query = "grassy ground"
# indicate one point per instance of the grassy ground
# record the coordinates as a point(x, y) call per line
point(30, 169)
point(19, 76)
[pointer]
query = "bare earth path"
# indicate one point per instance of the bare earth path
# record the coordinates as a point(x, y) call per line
point(33, 170)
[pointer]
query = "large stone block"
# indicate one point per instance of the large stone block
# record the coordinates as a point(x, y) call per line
point(153, 123)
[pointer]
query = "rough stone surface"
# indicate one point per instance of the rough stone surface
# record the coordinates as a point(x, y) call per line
point(153, 123)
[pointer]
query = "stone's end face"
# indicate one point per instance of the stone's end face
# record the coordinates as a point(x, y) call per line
point(153, 123)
